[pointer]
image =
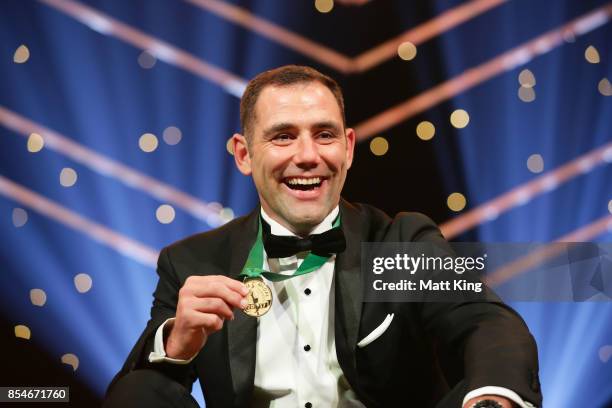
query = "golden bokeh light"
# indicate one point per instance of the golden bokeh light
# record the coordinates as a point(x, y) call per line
point(71, 360)
point(456, 202)
point(527, 79)
point(535, 163)
point(526, 94)
point(148, 142)
point(23, 332)
point(324, 6)
point(146, 60)
point(230, 146)
point(172, 135)
point(38, 297)
point(605, 88)
point(22, 54)
point(459, 118)
point(407, 51)
point(20, 217)
point(591, 55)
point(425, 130)
point(68, 177)
point(165, 214)
point(35, 143)
point(379, 146)
point(83, 282)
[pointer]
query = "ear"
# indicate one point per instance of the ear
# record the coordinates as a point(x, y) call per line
point(350, 146)
point(241, 153)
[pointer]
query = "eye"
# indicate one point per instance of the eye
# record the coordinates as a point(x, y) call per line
point(326, 135)
point(282, 137)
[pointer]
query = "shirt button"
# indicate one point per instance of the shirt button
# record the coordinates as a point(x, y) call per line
point(307, 291)
point(307, 347)
point(308, 405)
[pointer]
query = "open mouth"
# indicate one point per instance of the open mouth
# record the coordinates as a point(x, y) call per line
point(304, 183)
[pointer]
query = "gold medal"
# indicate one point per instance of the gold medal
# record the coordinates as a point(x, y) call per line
point(259, 298)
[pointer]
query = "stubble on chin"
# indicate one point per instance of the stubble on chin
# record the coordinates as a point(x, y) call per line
point(305, 224)
point(303, 229)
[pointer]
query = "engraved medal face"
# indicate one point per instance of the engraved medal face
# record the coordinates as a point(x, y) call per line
point(259, 298)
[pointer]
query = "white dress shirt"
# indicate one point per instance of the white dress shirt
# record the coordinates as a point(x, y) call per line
point(296, 363)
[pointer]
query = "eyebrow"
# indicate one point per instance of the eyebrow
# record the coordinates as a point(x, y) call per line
point(279, 127)
point(284, 126)
point(333, 126)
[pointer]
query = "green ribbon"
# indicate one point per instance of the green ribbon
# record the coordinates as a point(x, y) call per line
point(253, 268)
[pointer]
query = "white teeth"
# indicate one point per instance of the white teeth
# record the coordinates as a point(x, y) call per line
point(304, 181)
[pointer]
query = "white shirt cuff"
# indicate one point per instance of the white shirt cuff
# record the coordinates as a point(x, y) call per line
point(158, 355)
point(500, 391)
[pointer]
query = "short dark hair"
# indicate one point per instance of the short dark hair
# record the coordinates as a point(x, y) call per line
point(283, 76)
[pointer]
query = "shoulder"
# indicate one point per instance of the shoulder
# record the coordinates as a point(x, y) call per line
point(416, 227)
point(405, 226)
point(215, 242)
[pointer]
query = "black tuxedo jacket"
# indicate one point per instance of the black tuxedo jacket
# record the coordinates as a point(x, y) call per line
point(428, 349)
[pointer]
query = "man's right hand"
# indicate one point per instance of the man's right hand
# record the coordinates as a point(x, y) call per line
point(204, 302)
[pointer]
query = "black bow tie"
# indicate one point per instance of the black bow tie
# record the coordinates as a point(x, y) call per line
point(277, 246)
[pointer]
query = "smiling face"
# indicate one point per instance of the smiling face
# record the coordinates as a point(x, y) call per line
point(298, 153)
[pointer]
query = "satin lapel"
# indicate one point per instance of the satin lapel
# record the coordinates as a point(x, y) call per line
point(349, 291)
point(242, 331)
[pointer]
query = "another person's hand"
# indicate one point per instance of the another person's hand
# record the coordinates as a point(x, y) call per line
point(504, 402)
point(204, 303)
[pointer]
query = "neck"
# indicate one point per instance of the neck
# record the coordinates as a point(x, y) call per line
point(301, 229)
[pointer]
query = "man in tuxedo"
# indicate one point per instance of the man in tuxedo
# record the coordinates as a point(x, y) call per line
point(314, 347)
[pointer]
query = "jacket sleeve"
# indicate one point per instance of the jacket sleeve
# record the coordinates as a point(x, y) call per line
point(484, 342)
point(165, 299)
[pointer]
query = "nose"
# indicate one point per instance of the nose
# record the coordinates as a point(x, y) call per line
point(307, 154)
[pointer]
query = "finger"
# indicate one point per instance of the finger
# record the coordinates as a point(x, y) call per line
point(199, 282)
point(212, 305)
point(195, 320)
point(235, 285)
point(207, 321)
point(213, 289)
